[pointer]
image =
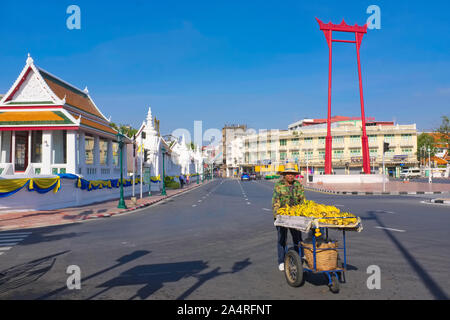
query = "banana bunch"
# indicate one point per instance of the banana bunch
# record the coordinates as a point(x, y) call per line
point(325, 214)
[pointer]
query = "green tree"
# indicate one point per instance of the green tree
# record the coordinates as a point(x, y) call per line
point(425, 141)
point(125, 129)
point(444, 131)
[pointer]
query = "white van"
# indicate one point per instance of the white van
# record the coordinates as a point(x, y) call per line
point(410, 173)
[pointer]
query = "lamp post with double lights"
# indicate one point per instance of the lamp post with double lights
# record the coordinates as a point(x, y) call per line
point(120, 139)
point(430, 178)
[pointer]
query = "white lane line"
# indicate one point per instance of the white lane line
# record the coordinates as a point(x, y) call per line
point(265, 209)
point(9, 240)
point(384, 211)
point(248, 203)
point(5, 248)
point(10, 244)
point(13, 237)
point(391, 229)
point(199, 200)
point(15, 233)
point(194, 205)
point(1, 253)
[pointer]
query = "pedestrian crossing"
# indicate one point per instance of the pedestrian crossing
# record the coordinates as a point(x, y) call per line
point(11, 239)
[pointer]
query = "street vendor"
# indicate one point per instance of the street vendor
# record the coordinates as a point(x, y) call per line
point(288, 191)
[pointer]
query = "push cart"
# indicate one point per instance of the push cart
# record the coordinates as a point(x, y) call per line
point(296, 265)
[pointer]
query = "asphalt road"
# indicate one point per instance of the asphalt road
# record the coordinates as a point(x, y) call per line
point(219, 242)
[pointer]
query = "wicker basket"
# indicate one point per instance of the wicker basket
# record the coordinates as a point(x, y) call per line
point(326, 255)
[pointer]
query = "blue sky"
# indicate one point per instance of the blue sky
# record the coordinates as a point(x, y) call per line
point(262, 63)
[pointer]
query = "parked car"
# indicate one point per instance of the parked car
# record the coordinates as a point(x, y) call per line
point(410, 173)
point(245, 176)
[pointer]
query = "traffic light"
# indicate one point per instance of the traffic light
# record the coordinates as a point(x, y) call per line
point(385, 147)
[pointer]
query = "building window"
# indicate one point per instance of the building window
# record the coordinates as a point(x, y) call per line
point(295, 141)
point(373, 152)
point(406, 137)
point(89, 149)
point(321, 140)
point(59, 150)
point(103, 146)
point(355, 152)
point(283, 142)
point(308, 141)
point(322, 154)
point(407, 151)
point(338, 154)
point(372, 138)
point(36, 146)
point(338, 139)
point(355, 139)
point(282, 155)
point(309, 154)
point(115, 158)
point(388, 138)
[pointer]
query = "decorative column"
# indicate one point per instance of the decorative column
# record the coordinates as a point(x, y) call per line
point(82, 152)
point(47, 141)
point(71, 152)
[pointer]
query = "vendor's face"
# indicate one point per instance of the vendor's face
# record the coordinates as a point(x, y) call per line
point(289, 177)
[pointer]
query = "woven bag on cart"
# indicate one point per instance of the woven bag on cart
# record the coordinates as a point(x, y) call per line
point(326, 255)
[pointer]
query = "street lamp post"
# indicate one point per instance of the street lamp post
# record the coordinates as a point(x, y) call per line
point(430, 179)
point(163, 191)
point(121, 205)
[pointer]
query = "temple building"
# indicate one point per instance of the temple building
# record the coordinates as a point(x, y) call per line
point(152, 147)
point(49, 127)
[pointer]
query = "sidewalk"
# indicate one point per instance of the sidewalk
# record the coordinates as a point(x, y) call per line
point(34, 219)
point(391, 188)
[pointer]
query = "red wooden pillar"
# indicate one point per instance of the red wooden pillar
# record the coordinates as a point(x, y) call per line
point(364, 142)
point(359, 33)
point(329, 139)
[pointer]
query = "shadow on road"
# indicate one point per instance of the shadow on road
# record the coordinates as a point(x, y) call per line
point(153, 277)
point(427, 280)
point(121, 261)
point(24, 274)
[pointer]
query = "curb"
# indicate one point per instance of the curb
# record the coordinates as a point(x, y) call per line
point(440, 201)
point(123, 211)
point(396, 193)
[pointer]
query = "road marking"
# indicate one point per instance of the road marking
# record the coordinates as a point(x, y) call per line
point(199, 200)
point(265, 209)
point(391, 229)
point(248, 203)
point(10, 239)
point(384, 211)
point(15, 233)
point(194, 205)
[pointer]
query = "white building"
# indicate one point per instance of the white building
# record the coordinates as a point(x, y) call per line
point(48, 126)
point(178, 158)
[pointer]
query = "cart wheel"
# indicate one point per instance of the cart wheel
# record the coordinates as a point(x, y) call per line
point(334, 286)
point(293, 268)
